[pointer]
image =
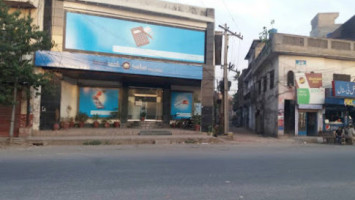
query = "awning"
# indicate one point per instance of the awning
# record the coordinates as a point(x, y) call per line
point(310, 106)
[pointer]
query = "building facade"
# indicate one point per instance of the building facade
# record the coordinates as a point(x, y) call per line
point(138, 58)
point(289, 84)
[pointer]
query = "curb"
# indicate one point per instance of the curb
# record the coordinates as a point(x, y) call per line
point(121, 141)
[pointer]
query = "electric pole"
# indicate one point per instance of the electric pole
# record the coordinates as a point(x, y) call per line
point(226, 34)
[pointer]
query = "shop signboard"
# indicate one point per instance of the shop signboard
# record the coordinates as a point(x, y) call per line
point(68, 60)
point(181, 105)
point(310, 95)
point(349, 102)
point(98, 101)
point(344, 89)
point(91, 33)
point(308, 80)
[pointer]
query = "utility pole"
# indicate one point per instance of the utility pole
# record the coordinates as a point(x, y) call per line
point(227, 32)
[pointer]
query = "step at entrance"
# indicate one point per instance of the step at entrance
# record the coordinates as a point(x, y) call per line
point(154, 132)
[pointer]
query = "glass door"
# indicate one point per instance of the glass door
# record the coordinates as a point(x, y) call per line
point(147, 101)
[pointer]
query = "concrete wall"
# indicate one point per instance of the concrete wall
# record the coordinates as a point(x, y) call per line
point(266, 107)
point(69, 100)
point(317, 65)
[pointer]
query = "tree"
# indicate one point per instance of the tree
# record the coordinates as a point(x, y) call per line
point(19, 39)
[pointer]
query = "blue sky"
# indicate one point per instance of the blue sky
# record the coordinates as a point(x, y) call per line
point(249, 17)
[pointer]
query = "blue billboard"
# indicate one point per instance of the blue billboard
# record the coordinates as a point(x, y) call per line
point(344, 89)
point(68, 60)
point(98, 101)
point(115, 36)
point(181, 105)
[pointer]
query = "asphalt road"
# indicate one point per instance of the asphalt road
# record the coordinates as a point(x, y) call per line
point(222, 172)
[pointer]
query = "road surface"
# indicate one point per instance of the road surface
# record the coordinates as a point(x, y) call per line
point(178, 172)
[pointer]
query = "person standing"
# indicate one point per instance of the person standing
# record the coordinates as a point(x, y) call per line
point(350, 134)
point(339, 135)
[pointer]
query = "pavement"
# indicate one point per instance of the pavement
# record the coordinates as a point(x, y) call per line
point(131, 136)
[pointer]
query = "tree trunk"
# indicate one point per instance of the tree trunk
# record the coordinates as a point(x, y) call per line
point(12, 124)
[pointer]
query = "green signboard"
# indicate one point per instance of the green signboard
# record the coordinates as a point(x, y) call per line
point(310, 95)
point(303, 96)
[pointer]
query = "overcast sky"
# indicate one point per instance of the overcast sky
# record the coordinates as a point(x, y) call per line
point(249, 17)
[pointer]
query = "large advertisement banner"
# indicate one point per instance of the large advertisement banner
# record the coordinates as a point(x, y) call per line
point(344, 89)
point(309, 88)
point(181, 105)
point(98, 101)
point(68, 60)
point(108, 35)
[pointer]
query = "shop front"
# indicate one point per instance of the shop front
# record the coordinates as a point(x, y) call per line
point(309, 119)
point(339, 105)
point(310, 100)
point(146, 90)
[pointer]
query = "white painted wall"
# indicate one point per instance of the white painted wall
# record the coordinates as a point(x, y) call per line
point(69, 97)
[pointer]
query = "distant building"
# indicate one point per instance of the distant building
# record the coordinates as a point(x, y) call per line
point(323, 24)
point(346, 31)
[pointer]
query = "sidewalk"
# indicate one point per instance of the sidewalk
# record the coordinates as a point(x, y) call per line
point(242, 135)
point(119, 136)
point(130, 136)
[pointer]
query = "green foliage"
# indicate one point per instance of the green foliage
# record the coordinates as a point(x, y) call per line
point(92, 142)
point(221, 85)
point(19, 39)
point(237, 75)
point(196, 119)
point(95, 117)
point(115, 115)
point(235, 101)
point(81, 117)
point(143, 114)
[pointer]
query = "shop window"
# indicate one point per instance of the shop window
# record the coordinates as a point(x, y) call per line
point(290, 79)
point(334, 116)
point(272, 77)
point(265, 83)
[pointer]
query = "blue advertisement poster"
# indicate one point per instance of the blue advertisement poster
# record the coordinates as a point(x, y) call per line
point(108, 35)
point(344, 89)
point(98, 101)
point(181, 105)
point(69, 60)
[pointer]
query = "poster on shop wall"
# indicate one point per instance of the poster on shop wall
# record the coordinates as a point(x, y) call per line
point(309, 88)
point(98, 101)
point(181, 105)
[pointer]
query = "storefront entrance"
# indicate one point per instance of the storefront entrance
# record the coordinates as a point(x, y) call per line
point(307, 123)
point(145, 102)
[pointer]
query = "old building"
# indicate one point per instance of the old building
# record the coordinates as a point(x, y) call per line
point(139, 58)
point(289, 84)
